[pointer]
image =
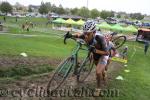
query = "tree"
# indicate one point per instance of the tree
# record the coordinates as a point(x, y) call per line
point(60, 10)
point(53, 8)
point(48, 5)
point(94, 13)
point(137, 16)
point(43, 9)
point(5, 7)
point(118, 16)
point(104, 14)
point(74, 11)
point(30, 9)
point(84, 12)
point(67, 11)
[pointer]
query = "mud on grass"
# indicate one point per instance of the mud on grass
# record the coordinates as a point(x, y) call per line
point(20, 66)
point(42, 79)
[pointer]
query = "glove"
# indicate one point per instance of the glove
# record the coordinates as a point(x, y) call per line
point(92, 49)
point(68, 35)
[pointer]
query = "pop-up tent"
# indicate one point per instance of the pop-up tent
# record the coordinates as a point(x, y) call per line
point(131, 28)
point(59, 20)
point(104, 25)
point(117, 27)
point(80, 22)
point(70, 21)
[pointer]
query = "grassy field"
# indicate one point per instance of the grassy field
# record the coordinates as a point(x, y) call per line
point(49, 43)
point(33, 46)
point(136, 83)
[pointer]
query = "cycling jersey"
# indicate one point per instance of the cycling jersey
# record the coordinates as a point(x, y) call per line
point(99, 43)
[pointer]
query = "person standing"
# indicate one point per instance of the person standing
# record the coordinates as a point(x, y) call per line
point(4, 18)
point(125, 52)
point(16, 18)
point(146, 46)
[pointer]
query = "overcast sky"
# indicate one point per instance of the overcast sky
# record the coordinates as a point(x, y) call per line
point(129, 6)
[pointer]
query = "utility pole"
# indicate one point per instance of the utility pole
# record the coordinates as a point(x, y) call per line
point(87, 6)
point(87, 3)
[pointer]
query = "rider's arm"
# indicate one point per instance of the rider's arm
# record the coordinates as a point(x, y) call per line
point(81, 36)
point(101, 41)
point(102, 52)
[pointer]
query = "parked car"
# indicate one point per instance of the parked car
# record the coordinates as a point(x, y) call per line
point(145, 24)
point(111, 20)
point(143, 34)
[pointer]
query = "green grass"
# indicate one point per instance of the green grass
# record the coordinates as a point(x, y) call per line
point(136, 85)
point(23, 19)
point(34, 46)
point(19, 71)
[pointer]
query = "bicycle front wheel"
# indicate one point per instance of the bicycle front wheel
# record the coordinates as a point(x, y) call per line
point(60, 74)
point(85, 69)
point(119, 41)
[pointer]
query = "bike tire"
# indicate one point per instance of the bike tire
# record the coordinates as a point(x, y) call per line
point(119, 41)
point(60, 74)
point(85, 69)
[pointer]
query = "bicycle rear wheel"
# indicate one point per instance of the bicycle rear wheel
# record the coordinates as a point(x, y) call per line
point(60, 74)
point(119, 41)
point(85, 68)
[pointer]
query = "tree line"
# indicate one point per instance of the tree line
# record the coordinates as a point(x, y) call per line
point(47, 7)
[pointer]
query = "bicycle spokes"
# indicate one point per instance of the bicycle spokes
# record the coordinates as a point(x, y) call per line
point(60, 74)
point(85, 69)
point(119, 41)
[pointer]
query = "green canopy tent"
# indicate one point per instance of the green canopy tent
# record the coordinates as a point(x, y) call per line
point(58, 23)
point(117, 27)
point(70, 21)
point(80, 22)
point(104, 25)
point(59, 20)
point(131, 28)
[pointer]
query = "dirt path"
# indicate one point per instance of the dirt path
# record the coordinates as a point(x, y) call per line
point(37, 83)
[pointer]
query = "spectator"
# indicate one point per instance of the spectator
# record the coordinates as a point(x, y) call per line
point(27, 28)
point(31, 24)
point(146, 45)
point(16, 18)
point(4, 18)
point(125, 52)
point(23, 26)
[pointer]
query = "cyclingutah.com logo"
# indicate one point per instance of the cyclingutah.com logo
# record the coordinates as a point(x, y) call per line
point(3, 92)
point(66, 92)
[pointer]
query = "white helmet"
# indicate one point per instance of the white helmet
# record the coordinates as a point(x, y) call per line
point(89, 26)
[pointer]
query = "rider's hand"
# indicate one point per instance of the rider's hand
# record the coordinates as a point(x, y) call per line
point(92, 49)
point(68, 35)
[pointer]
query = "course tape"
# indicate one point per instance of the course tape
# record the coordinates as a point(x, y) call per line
point(119, 59)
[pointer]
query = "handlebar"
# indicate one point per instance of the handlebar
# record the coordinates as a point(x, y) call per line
point(81, 41)
point(65, 37)
point(114, 33)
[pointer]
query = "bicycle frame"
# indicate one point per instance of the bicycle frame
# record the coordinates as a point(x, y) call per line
point(75, 54)
point(74, 58)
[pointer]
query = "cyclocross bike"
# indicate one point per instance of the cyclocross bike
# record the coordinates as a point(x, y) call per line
point(71, 64)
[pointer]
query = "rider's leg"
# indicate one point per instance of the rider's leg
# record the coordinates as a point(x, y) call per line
point(108, 62)
point(100, 68)
point(99, 73)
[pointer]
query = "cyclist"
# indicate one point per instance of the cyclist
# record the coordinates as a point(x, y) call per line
point(99, 48)
point(110, 48)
